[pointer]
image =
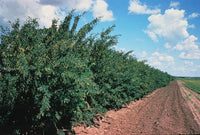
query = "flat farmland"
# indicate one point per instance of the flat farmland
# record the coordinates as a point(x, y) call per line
point(193, 84)
point(173, 109)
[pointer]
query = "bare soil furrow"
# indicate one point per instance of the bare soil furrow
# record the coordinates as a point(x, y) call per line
point(192, 99)
point(165, 111)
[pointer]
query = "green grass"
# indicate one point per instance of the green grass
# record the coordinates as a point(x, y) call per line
point(197, 107)
point(185, 93)
point(197, 97)
point(188, 96)
point(192, 83)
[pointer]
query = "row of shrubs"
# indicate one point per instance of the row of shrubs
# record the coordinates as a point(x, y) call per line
point(53, 78)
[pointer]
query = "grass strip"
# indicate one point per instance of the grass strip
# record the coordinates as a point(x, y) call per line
point(193, 85)
point(197, 107)
point(187, 96)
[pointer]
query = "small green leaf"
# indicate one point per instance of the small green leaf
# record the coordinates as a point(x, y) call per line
point(58, 117)
point(60, 132)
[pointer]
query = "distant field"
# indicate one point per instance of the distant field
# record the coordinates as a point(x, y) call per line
point(191, 83)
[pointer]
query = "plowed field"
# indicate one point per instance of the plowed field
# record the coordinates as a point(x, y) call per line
point(165, 111)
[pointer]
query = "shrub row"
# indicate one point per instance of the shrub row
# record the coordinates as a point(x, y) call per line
point(60, 76)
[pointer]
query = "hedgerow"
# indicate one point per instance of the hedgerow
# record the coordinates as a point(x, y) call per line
point(54, 78)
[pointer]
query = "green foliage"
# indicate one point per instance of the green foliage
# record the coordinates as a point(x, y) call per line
point(193, 84)
point(53, 78)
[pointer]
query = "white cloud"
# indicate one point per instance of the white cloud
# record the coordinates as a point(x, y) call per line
point(190, 48)
point(143, 54)
point(172, 25)
point(174, 4)
point(188, 68)
point(198, 67)
point(185, 70)
point(47, 10)
point(163, 57)
point(167, 45)
point(137, 7)
point(194, 15)
point(156, 54)
point(52, 2)
point(152, 35)
point(100, 9)
point(194, 54)
point(160, 60)
point(10, 10)
point(188, 63)
point(187, 44)
point(79, 5)
point(152, 61)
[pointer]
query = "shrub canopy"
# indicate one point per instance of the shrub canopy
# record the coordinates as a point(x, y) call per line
point(60, 76)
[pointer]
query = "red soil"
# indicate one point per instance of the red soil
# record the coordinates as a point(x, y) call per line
point(165, 111)
point(193, 100)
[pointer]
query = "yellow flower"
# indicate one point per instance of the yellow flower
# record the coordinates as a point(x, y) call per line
point(47, 69)
point(22, 49)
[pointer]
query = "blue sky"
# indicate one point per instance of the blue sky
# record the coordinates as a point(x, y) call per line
point(166, 33)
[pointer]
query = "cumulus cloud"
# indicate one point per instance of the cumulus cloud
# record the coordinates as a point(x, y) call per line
point(154, 62)
point(198, 67)
point(100, 9)
point(47, 10)
point(135, 6)
point(174, 4)
point(185, 70)
point(143, 54)
point(188, 63)
point(10, 10)
point(172, 25)
point(167, 46)
point(152, 35)
point(80, 5)
point(188, 44)
point(160, 59)
point(190, 48)
point(163, 57)
point(194, 15)
point(52, 2)
point(193, 54)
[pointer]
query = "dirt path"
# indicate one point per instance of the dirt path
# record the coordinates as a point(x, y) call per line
point(165, 111)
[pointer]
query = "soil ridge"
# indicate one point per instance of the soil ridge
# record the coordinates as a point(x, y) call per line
point(165, 111)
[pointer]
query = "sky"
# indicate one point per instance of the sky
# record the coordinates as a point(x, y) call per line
point(165, 33)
